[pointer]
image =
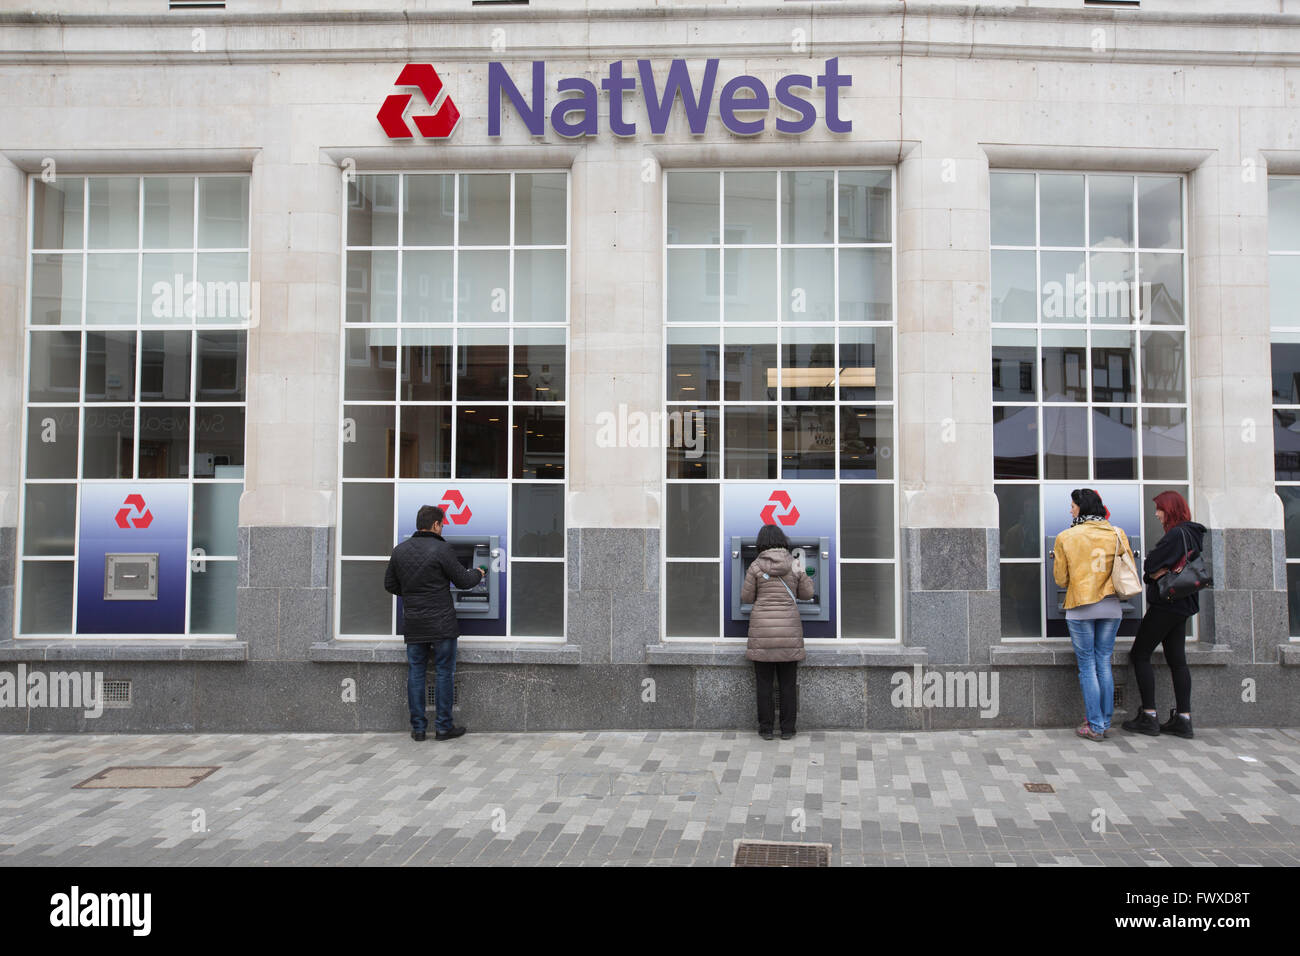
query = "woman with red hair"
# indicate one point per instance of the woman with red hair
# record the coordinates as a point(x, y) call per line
point(1166, 621)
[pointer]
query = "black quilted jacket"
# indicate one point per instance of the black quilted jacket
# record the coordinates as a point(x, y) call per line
point(420, 572)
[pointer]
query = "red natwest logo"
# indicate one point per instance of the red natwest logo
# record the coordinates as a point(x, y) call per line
point(144, 519)
point(454, 507)
point(787, 517)
point(438, 126)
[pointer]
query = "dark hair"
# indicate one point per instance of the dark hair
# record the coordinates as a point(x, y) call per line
point(1089, 502)
point(770, 536)
point(1175, 508)
point(427, 517)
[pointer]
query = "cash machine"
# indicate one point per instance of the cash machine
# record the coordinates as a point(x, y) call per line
point(814, 555)
point(480, 601)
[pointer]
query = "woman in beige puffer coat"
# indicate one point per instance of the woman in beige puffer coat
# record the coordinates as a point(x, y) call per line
point(775, 628)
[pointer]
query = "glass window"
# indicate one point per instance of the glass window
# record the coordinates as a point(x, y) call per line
point(1284, 293)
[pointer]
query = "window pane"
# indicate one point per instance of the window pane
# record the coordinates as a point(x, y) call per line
point(1293, 596)
point(55, 368)
point(536, 599)
point(166, 293)
point(1283, 291)
point(750, 207)
point(1162, 288)
point(482, 366)
point(364, 606)
point(1064, 292)
point(52, 443)
point(1160, 212)
point(1062, 209)
point(1286, 368)
point(1290, 495)
point(750, 441)
point(426, 365)
point(693, 365)
point(372, 287)
point(165, 366)
point(368, 432)
point(808, 285)
point(866, 285)
point(866, 365)
point(1018, 524)
point(49, 520)
point(484, 287)
point(1164, 444)
point(808, 364)
point(541, 202)
point(485, 209)
point(1286, 445)
point(223, 212)
point(807, 440)
point(692, 450)
point(1014, 282)
point(1114, 443)
point(693, 283)
point(165, 445)
point(1110, 211)
point(750, 276)
point(169, 212)
point(749, 360)
point(693, 600)
point(1112, 299)
point(56, 290)
point(426, 285)
point(1164, 367)
point(371, 370)
point(57, 213)
point(1015, 442)
point(1064, 366)
point(807, 198)
point(538, 521)
point(372, 211)
point(865, 207)
point(1022, 600)
point(212, 598)
point(539, 441)
point(110, 366)
point(867, 521)
point(481, 441)
point(223, 277)
point(216, 518)
point(866, 441)
point(368, 518)
point(222, 366)
point(1283, 218)
point(1113, 363)
point(47, 597)
point(1011, 206)
point(109, 442)
point(425, 442)
point(693, 213)
point(1065, 443)
point(428, 206)
point(691, 521)
point(111, 289)
point(539, 365)
point(219, 438)
point(541, 285)
point(867, 600)
point(114, 213)
point(1015, 365)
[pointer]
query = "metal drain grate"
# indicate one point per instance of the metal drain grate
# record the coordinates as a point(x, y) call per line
point(1040, 788)
point(776, 853)
point(1119, 698)
point(117, 693)
point(429, 689)
point(122, 778)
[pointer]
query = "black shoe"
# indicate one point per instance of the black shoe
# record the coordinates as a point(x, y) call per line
point(417, 735)
point(1143, 723)
point(1178, 725)
point(451, 734)
point(766, 735)
point(787, 734)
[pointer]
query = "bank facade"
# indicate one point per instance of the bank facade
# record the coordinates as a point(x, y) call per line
point(614, 288)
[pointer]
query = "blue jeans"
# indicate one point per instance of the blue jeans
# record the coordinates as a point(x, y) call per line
point(444, 662)
point(1094, 643)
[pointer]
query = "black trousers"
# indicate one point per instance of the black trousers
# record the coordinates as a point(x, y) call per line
point(1160, 626)
point(784, 672)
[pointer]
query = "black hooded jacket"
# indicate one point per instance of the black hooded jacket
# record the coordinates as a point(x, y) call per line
point(1168, 551)
point(421, 572)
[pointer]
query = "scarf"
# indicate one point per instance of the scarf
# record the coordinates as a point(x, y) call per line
point(1082, 518)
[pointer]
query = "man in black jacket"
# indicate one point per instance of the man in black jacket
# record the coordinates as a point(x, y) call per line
point(421, 572)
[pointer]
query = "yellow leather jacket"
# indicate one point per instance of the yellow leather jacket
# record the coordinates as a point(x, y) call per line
point(1085, 557)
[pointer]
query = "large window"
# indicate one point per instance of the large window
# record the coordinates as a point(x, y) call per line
point(780, 372)
point(134, 407)
point(455, 382)
point(1284, 312)
point(1090, 372)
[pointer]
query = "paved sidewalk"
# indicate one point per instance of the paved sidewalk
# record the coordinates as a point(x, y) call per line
point(1229, 797)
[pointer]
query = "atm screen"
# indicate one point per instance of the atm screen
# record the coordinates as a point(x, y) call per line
point(464, 554)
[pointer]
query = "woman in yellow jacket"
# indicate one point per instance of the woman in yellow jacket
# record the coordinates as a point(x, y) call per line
point(1083, 557)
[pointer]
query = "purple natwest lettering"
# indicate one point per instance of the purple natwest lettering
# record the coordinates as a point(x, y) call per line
point(579, 115)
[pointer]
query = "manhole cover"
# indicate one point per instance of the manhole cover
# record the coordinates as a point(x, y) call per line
point(118, 778)
point(775, 853)
point(1039, 788)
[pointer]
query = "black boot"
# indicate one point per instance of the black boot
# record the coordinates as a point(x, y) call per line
point(1178, 725)
point(1143, 723)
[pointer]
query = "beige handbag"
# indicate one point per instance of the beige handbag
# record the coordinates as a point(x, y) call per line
point(1123, 574)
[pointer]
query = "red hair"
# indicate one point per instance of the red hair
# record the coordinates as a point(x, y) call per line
point(1175, 508)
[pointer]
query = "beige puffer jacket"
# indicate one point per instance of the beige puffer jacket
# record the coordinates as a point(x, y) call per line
point(775, 630)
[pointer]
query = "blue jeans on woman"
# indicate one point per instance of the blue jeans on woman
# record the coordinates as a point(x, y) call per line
point(1094, 643)
point(444, 662)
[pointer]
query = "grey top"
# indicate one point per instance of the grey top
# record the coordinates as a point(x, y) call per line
point(1105, 609)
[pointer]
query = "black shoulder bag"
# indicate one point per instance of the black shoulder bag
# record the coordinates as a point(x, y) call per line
point(1188, 576)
